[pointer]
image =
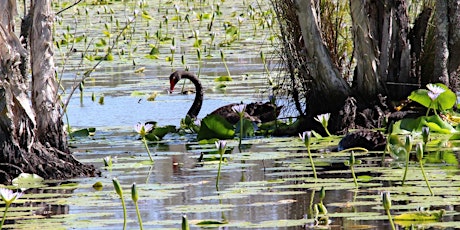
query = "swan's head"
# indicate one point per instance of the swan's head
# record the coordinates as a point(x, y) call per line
point(173, 79)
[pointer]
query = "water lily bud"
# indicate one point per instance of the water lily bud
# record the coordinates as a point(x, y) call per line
point(322, 194)
point(322, 209)
point(425, 134)
point(419, 151)
point(185, 225)
point(107, 161)
point(221, 145)
point(134, 194)
point(198, 53)
point(117, 187)
point(386, 200)
point(408, 144)
point(306, 138)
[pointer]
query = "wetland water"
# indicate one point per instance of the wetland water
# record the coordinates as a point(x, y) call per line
point(268, 184)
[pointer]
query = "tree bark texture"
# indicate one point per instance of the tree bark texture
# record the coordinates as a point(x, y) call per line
point(329, 88)
point(454, 42)
point(45, 100)
point(441, 58)
point(390, 59)
point(366, 81)
point(25, 148)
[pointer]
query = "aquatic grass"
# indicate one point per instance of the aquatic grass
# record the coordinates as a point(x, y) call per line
point(119, 191)
point(221, 145)
point(386, 201)
point(135, 198)
point(306, 138)
point(419, 153)
point(407, 149)
point(8, 196)
point(142, 130)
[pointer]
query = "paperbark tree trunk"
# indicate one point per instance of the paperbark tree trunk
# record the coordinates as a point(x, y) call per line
point(389, 59)
point(32, 138)
point(329, 88)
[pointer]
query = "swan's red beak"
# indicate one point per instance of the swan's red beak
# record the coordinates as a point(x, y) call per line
point(172, 83)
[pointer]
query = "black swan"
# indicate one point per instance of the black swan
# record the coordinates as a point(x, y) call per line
point(258, 112)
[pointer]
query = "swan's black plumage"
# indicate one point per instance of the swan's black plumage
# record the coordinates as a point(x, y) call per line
point(257, 111)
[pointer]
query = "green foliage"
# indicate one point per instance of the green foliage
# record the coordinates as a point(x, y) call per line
point(215, 126)
point(421, 216)
point(223, 78)
point(159, 132)
point(83, 132)
point(248, 128)
point(28, 180)
point(444, 101)
point(434, 122)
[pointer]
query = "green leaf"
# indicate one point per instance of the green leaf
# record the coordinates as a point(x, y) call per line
point(154, 50)
point(215, 126)
point(27, 180)
point(159, 132)
point(437, 124)
point(421, 216)
point(211, 222)
point(146, 15)
point(223, 78)
point(248, 128)
point(83, 132)
point(137, 94)
point(445, 100)
point(421, 96)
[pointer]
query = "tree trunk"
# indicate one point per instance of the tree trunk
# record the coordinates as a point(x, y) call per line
point(31, 146)
point(367, 83)
point(440, 73)
point(329, 89)
point(45, 101)
point(454, 42)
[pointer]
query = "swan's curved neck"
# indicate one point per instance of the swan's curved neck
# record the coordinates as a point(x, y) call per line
point(196, 106)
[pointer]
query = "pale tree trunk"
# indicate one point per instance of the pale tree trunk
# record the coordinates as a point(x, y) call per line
point(441, 58)
point(329, 89)
point(367, 83)
point(27, 145)
point(44, 85)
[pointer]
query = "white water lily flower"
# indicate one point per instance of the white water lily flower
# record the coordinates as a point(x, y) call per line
point(8, 196)
point(240, 19)
point(239, 109)
point(221, 144)
point(434, 91)
point(143, 129)
point(306, 137)
point(323, 119)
